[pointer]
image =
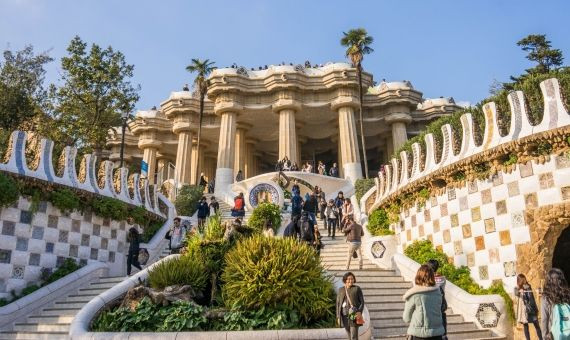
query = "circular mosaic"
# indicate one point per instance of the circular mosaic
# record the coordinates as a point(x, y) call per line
point(264, 193)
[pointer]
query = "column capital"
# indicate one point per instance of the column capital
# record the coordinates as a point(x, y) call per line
point(286, 104)
point(243, 126)
point(149, 144)
point(398, 118)
point(251, 140)
point(345, 101)
point(228, 102)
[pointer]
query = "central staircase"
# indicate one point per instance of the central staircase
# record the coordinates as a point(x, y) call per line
point(383, 290)
point(226, 210)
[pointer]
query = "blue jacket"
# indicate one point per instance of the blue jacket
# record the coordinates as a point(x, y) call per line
point(203, 210)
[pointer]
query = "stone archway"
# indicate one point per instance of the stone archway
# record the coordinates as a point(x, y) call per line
point(546, 224)
point(562, 253)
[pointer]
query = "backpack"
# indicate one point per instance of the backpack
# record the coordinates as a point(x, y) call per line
point(560, 327)
point(296, 202)
point(306, 230)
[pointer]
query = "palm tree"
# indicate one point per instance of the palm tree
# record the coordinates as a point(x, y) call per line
point(357, 43)
point(203, 68)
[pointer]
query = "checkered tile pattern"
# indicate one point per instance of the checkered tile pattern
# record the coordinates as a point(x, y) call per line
point(479, 225)
point(31, 242)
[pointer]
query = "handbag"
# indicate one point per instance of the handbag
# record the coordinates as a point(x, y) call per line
point(143, 256)
point(359, 319)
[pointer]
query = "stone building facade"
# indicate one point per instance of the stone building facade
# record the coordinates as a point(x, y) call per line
point(254, 117)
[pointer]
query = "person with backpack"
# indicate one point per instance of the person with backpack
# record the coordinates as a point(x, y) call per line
point(239, 206)
point(331, 214)
point(339, 201)
point(310, 207)
point(134, 248)
point(292, 229)
point(347, 212)
point(307, 229)
point(555, 307)
point(296, 204)
point(176, 235)
point(354, 233)
point(526, 309)
point(440, 281)
point(422, 309)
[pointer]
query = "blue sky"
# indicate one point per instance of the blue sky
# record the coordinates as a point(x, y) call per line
point(446, 48)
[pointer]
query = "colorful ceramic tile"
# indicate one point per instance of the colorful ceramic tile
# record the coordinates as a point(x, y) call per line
point(505, 237)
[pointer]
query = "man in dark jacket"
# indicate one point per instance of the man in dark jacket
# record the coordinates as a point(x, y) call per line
point(354, 233)
point(203, 212)
point(311, 206)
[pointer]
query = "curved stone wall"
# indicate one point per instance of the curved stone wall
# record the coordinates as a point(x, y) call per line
point(105, 181)
point(481, 223)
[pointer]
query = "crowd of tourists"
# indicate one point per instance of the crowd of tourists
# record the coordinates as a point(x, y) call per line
point(286, 164)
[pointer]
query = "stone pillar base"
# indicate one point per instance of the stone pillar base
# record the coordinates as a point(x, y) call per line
point(224, 180)
point(352, 171)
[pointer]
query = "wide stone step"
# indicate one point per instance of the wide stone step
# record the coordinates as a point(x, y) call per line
point(56, 311)
point(91, 290)
point(104, 284)
point(78, 299)
point(374, 300)
point(369, 292)
point(51, 318)
point(480, 334)
point(382, 329)
point(360, 274)
point(384, 319)
point(402, 284)
point(33, 335)
point(384, 306)
point(41, 327)
point(112, 279)
point(342, 266)
point(362, 279)
point(68, 304)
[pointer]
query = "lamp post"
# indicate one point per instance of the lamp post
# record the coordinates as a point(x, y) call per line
point(124, 118)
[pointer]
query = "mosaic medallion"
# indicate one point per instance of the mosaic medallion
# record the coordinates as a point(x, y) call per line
point(263, 193)
point(488, 315)
point(378, 249)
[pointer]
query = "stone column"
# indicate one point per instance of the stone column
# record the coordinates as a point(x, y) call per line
point(399, 121)
point(348, 138)
point(183, 173)
point(249, 158)
point(240, 155)
point(226, 151)
point(285, 107)
point(149, 157)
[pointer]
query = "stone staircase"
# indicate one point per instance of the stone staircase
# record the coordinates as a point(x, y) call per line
point(226, 210)
point(383, 290)
point(53, 321)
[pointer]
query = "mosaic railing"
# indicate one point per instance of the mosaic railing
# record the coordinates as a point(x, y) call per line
point(105, 181)
point(397, 174)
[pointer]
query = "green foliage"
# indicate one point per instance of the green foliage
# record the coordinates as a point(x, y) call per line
point(512, 159)
point(361, 187)
point(271, 272)
point(22, 95)
point(423, 251)
point(540, 50)
point(262, 318)
point(184, 270)
point(148, 317)
point(187, 199)
point(544, 149)
point(378, 223)
point(459, 176)
point(65, 200)
point(150, 230)
point(481, 170)
point(263, 213)
point(68, 267)
point(95, 90)
point(9, 189)
point(139, 215)
point(214, 229)
point(110, 208)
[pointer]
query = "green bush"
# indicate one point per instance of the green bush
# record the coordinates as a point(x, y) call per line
point(265, 212)
point(361, 187)
point(150, 230)
point(184, 270)
point(379, 224)
point(68, 267)
point(423, 251)
point(275, 272)
point(65, 200)
point(110, 208)
point(263, 318)
point(9, 189)
point(139, 215)
point(187, 199)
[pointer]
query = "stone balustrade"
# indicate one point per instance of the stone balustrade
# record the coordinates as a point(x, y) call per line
point(97, 181)
point(397, 176)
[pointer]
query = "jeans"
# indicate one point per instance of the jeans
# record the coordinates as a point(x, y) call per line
point(133, 260)
point(313, 218)
point(331, 226)
point(352, 247)
point(536, 328)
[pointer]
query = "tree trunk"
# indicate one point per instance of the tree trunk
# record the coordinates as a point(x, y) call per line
point(214, 289)
point(359, 73)
point(202, 95)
